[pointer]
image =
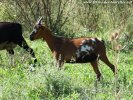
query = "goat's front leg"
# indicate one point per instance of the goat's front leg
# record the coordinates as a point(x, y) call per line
point(60, 63)
point(59, 59)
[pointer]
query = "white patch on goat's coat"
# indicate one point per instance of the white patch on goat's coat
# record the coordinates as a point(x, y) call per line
point(83, 41)
point(100, 39)
point(73, 59)
point(93, 39)
point(7, 45)
point(84, 48)
point(89, 40)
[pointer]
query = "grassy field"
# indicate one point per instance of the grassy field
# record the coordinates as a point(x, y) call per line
point(73, 82)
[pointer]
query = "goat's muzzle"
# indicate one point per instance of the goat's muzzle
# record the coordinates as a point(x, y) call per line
point(31, 37)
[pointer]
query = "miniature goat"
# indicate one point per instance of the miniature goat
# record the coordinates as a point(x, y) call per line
point(77, 50)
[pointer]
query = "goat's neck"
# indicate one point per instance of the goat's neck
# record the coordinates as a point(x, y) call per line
point(49, 38)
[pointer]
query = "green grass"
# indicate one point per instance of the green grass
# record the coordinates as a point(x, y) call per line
point(73, 82)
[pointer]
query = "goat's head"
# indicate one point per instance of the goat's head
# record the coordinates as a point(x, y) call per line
point(37, 32)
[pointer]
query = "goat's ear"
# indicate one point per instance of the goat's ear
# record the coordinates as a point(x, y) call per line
point(39, 22)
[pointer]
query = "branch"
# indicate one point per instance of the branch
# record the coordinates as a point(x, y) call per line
point(32, 12)
point(23, 13)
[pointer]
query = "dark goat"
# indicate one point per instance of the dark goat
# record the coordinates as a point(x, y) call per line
point(76, 50)
point(11, 36)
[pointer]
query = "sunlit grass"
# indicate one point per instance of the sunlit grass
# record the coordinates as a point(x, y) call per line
point(74, 81)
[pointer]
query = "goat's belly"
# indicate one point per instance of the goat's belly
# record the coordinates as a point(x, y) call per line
point(83, 59)
point(7, 45)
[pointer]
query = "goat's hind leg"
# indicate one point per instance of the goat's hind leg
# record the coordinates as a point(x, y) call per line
point(103, 57)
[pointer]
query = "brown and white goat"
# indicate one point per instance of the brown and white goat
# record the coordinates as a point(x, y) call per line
point(76, 50)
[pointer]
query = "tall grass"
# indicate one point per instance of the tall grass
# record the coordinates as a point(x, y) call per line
point(72, 82)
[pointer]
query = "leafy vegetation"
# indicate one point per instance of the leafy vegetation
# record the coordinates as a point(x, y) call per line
point(74, 81)
point(70, 18)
